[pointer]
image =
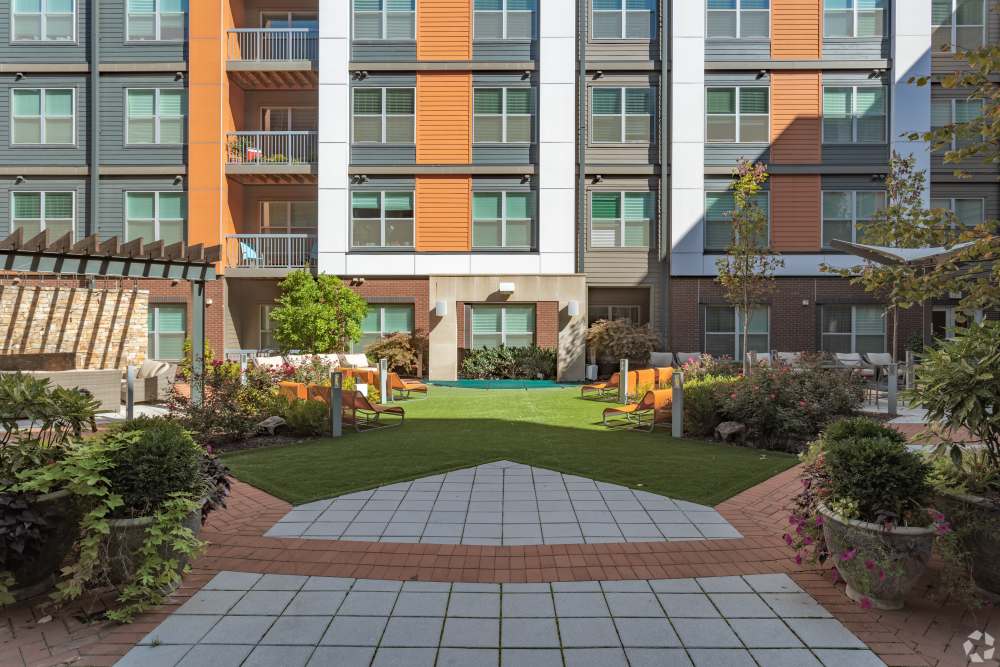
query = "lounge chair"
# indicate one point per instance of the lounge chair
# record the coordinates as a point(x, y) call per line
point(856, 363)
point(292, 391)
point(664, 377)
point(405, 387)
point(764, 359)
point(788, 358)
point(653, 410)
point(645, 380)
point(602, 389)
point(367, 416)
point(661, 359)
point(684, 357)
point(881, 362)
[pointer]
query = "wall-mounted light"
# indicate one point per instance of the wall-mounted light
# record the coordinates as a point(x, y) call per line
point(18, 76)
point(761, 74)
point(506, 288)
point(359, 179)
point(599, 74)
point(18, 180)
point(178, 76)
point(359, 75)
point(441, 308)
point(598, 178)
point(525, 178)
point(878, 178)
point(573, 308)
point(178, 179)
point(876, 73)
point(525, 75)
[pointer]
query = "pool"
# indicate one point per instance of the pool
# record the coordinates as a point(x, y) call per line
point(501, 384)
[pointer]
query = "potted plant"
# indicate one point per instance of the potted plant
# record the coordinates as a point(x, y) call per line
point(864, 505)
point(613, 340)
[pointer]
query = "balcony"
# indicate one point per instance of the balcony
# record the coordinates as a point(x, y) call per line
point(273, 58)
point(280, 158)
point(268, 255)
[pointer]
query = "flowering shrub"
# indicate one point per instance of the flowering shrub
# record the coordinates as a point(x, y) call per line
point(706, 365)
point(702, 398)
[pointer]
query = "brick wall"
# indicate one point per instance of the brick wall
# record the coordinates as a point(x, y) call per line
point(547, 324)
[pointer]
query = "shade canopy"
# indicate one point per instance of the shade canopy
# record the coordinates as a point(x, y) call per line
point(898, 256)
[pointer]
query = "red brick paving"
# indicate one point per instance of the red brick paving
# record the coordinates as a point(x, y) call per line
point(926, 633)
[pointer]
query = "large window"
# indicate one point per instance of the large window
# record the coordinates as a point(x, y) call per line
point(511, 326)
point(854, 18)
point(719, 207)
point(504, 19)
point(620, 219)
point(621, 115)
point(853, 329)
point(503, 115)
point(155, 216)
point(624, 19)
point(947, 321)
point(156, 20)
point(724, 331)
point(947, 112)
point(738, 19)
point(630, 313)
point(384, 115)
point(34, 212)
point(43, 116)
point(382, 220)
point(958, 24)
point(384, 320)
point(288, 119)
point(846, 212)
point(167, 329)
point(969, 211)
point(503, 220)
point(738, 115)
point(288, 217)
point(266, 327)
point(43, 21)
point(156, 116)
point(385, 19)
point(854, 115)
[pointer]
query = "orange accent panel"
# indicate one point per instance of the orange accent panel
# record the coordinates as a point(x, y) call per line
point(796, 118)
point(796, 212)
point(444, 118)
point(444, 30)
point(444, 213)
point(795, 28)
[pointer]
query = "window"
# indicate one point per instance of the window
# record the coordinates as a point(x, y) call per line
point(613, 122)
point(503, 219)
point(155, 20)
point(738, 19)
point(288, 119)
point(853, 329)
point(948, 112)
point(43, 21)
point(845, 214)
point(624, 19)
point(510, 326)
point(724, 331)
point(504, 19)
point(854, 18)
point(155, 216)
point(503, 115)
point(266, 327)
point(854, 115)
point(308, 20)
point(384, 19)
point(383, 320)
point(288, 217)
point(738, 115)
point(719, 207)
point(34, 212)
point(382, 220)
point(970, 212)
point(958, 24)
point(614, 224)
point(383, 115)
point(167, 329)
point(947, 320)
point(630, 314)
point(155, 116)
point(43, 116)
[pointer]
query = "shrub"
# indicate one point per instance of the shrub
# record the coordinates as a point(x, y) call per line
point(707, 365)
point(184, 368)
point(702, 398)
point(230, 409)
point(313, 371)
point(307, 418)
point(509, 363)
point(405, 352)
point(619, 339)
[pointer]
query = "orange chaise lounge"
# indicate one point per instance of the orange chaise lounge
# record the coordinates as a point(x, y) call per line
point(655, 405)
point(602, 389)
point(405, 387)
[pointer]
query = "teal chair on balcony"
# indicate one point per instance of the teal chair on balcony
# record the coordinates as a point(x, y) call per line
point(249, 254)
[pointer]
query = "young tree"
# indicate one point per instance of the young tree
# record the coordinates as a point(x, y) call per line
point(317, 315)
point(746, 273)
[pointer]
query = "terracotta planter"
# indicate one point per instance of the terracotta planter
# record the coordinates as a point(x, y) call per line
point(62, 516)
point(980, 518)
point(902, 553)
point(127, 537)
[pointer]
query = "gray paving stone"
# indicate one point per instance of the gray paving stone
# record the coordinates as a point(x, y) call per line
point(657, 657)
point(784, 657)
point(297, 630)
point(678, 530)
point(600, 530)
point(471, 632)
point(520, 657)
point(772, 583)
point(848, 658)
point(529, 633)
point(469, 587)
point(403, 530)
point(300, 515)
point(641, 531)
point(326, 529)
point(412, 632)
point(795, 605)
point(286, 656)
point(721, 658)
point(403, 516)
point(217, 656)
point(482, 531)
point(675, 586)
point(232, 581)
point(317, 505)
point(377, 585)
point(239, 630)
point(668, 516)
point(522, 531)
point(287, 529)
point(181, 630)
point(646, 632)
point(484, 517)
point(263, 603)
point(366, 528)
point(551, 531)
point(280, 582)
point(705, 633)
point(823, 633)
point(341, 656)
point(526, 588)
point(528, 605)
point(569, 605)
point(624, 505)
point(724, 585)
point(474, 605)
point(626, 586)
point(595, 657)
point(576, 586)
point(315, 603)
point(588, 632)
point(465, 657)
point(355, 631)
point(420, 603)
point(210, 602)
point(718, 531)
point(404, 657)
point(634, 605)
point(328, 584)
point(764, 633)
point(374, 516)
point(741, 605)
point(446, 517)
point(594, 516)
point(688, 605)
point(426, 586)
point(154, 656)
point(368, 603)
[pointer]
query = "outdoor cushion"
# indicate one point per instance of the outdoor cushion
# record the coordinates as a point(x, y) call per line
point(269, 362)
point(331, 359)
point(151, 368)
point(661, 359)
point(356, 361)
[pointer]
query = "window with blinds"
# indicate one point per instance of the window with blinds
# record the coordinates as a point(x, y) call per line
point(503, 115)
point(738, 19)
point(854, 115)
point(155, 20)
point(384, 115)
point(623, 19)
point(34, 212)
point(288, 119)
point(858, 329)
point(621, 115)
point(620, 219)
point(382, 220)
point(155, 216)
point(958, 25)
point(738, 115)
point(854, 18)
point(845, 214)
point(504, 19)
point(267, 326)
point(155, 116)
point(43, 21)
point(510, 326)
point(385, 20)
point(968, 212)
point(381, 321)
point(288, 217)
point(719, 209)
point(43, 116)
point(724, 331)
point(503, 220)
point(167, 327)
point(947, 112)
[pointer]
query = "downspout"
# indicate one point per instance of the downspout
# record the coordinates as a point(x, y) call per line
point(94, 119)
point(581, 160)
point(666, 237)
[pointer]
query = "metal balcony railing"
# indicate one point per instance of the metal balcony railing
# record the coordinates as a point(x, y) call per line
point(272, 148)
point(273, 45)
point(271, 251)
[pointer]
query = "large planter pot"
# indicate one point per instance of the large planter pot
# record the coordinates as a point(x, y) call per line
point(902, 553)
point(126, 538)
point(978, 520)
point(62, 517)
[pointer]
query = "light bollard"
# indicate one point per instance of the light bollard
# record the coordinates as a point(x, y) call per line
point(383, 380)
point(336, 404)
point(677, 405)
point(623, 381)
point(130, 393)
point(893, 381)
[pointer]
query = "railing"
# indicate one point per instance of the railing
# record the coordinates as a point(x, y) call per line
point(269, 45)
point(270, 251)
point(272, 148)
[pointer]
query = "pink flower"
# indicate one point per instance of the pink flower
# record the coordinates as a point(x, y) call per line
point(733, 396)
point(788, 539)
point(819, 519)
point(807, 540)
point(881, 575)
point(835, 575)
point(848, 554)
point(803, 404)
point(866, 603)
point(798, 559)
point(869, 564)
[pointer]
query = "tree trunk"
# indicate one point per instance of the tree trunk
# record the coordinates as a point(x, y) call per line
point(747, 368)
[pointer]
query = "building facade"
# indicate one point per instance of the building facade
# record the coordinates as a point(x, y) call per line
point(487, 171)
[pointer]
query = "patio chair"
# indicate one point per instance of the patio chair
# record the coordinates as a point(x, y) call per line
point(602, 389)
point(270, 363)
point(645, 380)
point(661, 359)
point(653, 410)
point(684, 357)
point(856, 363)
point(764, 359)
point(292, 391)
point(367, 416)
point(787, 358)
point(405, 387)
point(881, 361)
point(664, 377)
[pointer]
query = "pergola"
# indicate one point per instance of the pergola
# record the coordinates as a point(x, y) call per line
point(93, 258)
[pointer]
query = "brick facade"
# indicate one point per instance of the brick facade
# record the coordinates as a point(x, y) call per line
point(547, 325)
point(399, 290)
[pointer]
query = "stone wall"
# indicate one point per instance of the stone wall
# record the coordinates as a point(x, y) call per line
point(104, 328)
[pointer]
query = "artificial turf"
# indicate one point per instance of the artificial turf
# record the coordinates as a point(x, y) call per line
point(549, 428)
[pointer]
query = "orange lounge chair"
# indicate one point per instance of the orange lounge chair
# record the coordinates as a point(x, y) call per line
point(664, 377)
point(292, 391)
point(602, 389)
point(645, 380)
point(405, 387)
point(368, 417)
point(655, 405)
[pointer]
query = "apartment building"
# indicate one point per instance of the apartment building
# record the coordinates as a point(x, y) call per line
point(486, 171)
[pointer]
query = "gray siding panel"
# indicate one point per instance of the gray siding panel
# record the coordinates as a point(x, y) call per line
point(114, 151)
point(500, 154)
point(111, 211)
point(39, 184)
point(727, 155)
point(402, 183)
point(488, 184)
point(508, 51)
point(855, 49)
point(851, 182)
point(737, 49)
point(383, 51)
point(46, 52)
point(841, 155)
point(115, 48)
point(44, 155)
point(383, 154)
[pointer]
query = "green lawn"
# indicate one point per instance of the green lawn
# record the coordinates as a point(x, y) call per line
point(549, 428)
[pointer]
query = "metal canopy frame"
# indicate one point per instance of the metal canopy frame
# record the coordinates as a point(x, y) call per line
point(93, 258)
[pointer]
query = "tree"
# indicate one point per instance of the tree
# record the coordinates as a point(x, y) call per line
point(746, 273)
point(317, 315)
